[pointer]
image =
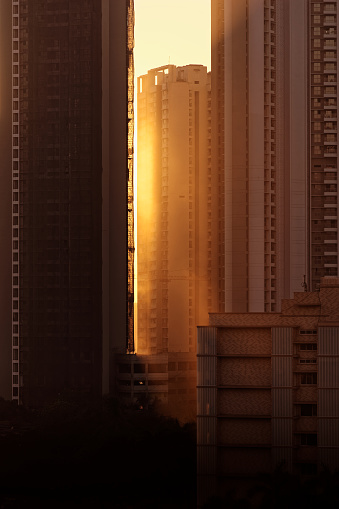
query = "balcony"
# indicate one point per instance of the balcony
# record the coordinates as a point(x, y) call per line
point(330, 115)
point(330, 151)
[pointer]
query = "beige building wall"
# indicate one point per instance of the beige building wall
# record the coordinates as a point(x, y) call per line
point(178, 223)
point(297, 132)
point(260, 59)
point(175, 256)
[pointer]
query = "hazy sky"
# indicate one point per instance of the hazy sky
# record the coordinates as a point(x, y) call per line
point(179, 30)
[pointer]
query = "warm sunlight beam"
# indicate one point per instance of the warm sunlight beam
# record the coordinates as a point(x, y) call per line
point(172, 31)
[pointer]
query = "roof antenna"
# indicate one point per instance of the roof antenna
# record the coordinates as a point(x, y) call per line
point(304, 284)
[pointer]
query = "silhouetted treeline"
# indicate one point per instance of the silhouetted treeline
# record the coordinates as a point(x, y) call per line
point(284, 491)
point(99, 454)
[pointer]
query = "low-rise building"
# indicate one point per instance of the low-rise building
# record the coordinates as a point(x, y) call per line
point(268, 391)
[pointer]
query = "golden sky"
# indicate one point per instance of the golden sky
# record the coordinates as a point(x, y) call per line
point(175, 31)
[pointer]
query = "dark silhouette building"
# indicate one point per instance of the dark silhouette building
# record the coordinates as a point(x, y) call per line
point(268, 392)
point(70, 160)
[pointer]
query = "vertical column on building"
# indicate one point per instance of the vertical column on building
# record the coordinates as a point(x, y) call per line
point(15, 200)
point(269, 107)
point(206, 413)
point(130, 173)
point(217, 141)
point(164, 212)
point(257, 143)
point(236, 154)
point(328, 397)
point(282, 397)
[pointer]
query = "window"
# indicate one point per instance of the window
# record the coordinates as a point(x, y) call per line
point(316, 90)
point(308, 378)
point(331, 78)
point(317, 78)
point(308, 410)
point(308, 361)
point(329, 7)
point(308, 346)
point(308, 439)
point(308, 332)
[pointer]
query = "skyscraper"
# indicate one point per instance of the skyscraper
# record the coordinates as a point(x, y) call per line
point(67, 151)
point(274, 95)
point(177, 266)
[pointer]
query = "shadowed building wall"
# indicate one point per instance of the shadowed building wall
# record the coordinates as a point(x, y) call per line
point(274, 98)
point(57, 199)
point(117, 183)
point(267, 385)
point(5, 199)
point(67, 148)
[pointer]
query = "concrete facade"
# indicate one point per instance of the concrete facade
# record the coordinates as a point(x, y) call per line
point(274, 98)
point(67, 196)
point(177, 207)
point(267, 391)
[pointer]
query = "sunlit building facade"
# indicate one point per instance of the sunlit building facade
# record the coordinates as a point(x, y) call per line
point(274, 94)
point(177, 283)
point(71, 165)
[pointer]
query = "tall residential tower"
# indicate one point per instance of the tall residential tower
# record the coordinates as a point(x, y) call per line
point(274, 94)
point(69, 168)
point(177, 265)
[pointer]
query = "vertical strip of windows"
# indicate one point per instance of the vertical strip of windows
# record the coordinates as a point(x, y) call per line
point(164, 212)
point(270, 153)
point(15, 200)
point(130, 156)
point(323, 141)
